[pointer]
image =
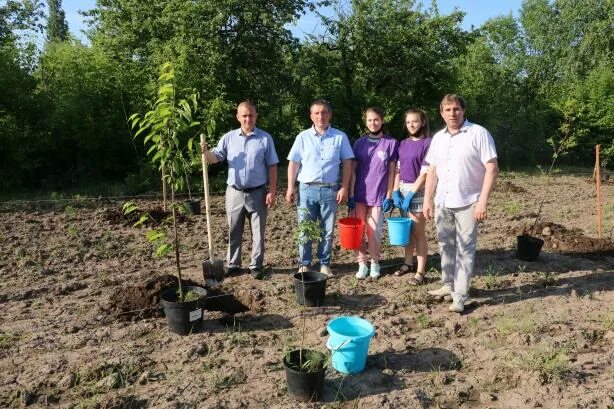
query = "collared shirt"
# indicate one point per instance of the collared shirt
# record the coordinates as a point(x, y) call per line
point(320, 155)
point(460, 164)
point(248, 157)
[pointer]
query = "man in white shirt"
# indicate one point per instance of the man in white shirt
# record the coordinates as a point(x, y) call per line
point(463, 169)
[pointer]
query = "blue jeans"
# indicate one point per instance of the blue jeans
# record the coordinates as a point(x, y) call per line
point(321, 201)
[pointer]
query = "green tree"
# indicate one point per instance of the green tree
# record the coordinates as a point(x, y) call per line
point(57, 28)
point(386, 52)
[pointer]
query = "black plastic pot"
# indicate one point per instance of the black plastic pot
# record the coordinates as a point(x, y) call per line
point(528, 247)
point(315, 288)
point(183, 317)
point(305, 385)
point(192, 206)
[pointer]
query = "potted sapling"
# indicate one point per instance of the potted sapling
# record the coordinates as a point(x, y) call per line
point(163, 129)
point(528, 245)
point(305, 368)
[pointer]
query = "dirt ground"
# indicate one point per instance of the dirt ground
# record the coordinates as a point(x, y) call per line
point(81, 327)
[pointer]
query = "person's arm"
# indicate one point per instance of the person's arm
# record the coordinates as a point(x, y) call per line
point(492, 170)
point(392, 179)
point(293, 168)
point(419, 182)
point(429, 192)
point(270, 196)
point(342, 194)
point(352, 179)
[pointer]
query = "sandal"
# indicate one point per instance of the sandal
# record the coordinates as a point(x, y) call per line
point(417, 279)
point(405, 268)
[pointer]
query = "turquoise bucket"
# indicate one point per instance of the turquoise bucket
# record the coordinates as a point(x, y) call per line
point(398, 230)
point(348, 341)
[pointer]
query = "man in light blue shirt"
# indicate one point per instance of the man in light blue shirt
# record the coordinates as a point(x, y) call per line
point(314, 161)
point(252, 162)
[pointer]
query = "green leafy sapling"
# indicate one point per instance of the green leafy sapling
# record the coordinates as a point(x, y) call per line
point(165, 131)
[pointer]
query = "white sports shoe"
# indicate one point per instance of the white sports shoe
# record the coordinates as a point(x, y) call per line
point(324, 269)
point(444, 290)
point(458, 303)
point(363, 271)
point(374, 274)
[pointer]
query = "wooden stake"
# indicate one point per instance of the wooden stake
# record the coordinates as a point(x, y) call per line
point(597, 170)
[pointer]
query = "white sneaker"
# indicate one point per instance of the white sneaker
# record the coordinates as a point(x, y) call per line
point(458, 303)
point(303, 269)
point(374, 274)
point(324, 269)
point(363, 271)
point(446, 289)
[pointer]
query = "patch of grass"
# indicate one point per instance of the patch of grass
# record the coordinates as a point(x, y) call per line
point(473, 324)
point(105, 279)
point(522, 322)
point(72, 231)
point(115, 376)
point(492, 277)
point(549, 363)
point(224, 382)
point(235, 336)
point(70, 210)
point(546, 279)
point(512, 208)
point(8, 340)
point(608, 322)
point(423, 321)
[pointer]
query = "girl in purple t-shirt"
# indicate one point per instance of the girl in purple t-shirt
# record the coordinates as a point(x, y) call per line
point(409, 189)
point(371, 187)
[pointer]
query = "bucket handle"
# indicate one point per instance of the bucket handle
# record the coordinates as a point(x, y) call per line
point(334, 349)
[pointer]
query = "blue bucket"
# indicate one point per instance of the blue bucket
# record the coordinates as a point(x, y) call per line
point(348, 341)
point(398, 230)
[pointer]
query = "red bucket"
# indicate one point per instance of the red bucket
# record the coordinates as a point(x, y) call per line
point(351, 231)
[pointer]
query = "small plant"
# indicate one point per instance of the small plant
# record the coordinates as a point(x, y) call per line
point(492, 277)
point(423, 321)
point(562, 142)
point(549, 363)
point(546, 279)
point(164, 129)
point(473, 324)
point(512, 208)
point(308, 231)
point(608, 322)
point(224, 382)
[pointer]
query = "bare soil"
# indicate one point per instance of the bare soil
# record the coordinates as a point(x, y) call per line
point(81, 325)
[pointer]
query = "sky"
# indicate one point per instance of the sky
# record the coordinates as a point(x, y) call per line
point(477, 12)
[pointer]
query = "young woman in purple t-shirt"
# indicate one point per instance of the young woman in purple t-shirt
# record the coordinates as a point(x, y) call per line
point(371, 187)
point(409, 189)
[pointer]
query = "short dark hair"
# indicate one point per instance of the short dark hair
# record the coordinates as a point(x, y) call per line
point(322, 102)
point(450, 98)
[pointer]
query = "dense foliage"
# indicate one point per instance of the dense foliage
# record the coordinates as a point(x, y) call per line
point(543, 76)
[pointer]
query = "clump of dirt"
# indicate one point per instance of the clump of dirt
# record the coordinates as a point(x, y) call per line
point(558, 238)
point(507, 186)
point(142, 301)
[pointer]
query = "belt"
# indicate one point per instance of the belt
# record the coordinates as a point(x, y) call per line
point(246, 189)
point(321, 184)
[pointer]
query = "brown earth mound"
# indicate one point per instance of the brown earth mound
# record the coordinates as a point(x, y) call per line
point(558, 238)
point(507, 186)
